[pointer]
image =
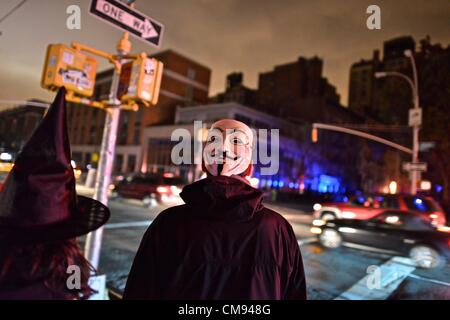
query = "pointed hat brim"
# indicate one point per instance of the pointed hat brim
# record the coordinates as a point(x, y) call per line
point(90, 216)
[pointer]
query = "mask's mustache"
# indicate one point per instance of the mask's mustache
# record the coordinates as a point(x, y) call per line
point(226, 155)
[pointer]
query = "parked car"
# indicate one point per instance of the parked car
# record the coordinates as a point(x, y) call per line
point(150, 189)
point(398, 232)
point(3, 176)
point(366, 207)
point(5, 167)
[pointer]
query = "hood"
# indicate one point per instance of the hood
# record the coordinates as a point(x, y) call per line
point(222, 197)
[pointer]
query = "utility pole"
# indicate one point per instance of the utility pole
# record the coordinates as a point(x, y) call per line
point(416, 125)
point(107, 152)
point(415, 114)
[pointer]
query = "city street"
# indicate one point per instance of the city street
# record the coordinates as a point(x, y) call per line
point(335, 115)
point(331, 274)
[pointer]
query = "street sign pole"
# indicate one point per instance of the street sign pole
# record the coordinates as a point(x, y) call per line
point(416, 125)
point(107, 152)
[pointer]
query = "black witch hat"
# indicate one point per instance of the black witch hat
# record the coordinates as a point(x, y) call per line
point(39, 202)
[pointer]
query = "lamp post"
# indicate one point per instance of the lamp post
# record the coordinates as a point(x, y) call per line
point(416, 126)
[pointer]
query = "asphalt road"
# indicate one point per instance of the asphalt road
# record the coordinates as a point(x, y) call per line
point(343, 273)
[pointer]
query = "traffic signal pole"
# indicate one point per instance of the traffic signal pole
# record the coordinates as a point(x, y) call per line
point(94, 239)
point(414, 84)
point(353, 132)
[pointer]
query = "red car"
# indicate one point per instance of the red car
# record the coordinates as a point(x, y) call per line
point(151, 189)
point(366, 207)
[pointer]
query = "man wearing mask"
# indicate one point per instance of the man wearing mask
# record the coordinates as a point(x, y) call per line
point(222, 243)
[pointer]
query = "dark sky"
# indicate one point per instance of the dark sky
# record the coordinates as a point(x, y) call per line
point(227, 35)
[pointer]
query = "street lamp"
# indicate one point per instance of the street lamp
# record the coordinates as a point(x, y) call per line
point(416, 126)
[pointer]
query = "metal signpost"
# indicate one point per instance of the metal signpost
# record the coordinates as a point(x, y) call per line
point(415, 169)
point(415, 113)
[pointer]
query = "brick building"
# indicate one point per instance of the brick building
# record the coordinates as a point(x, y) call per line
point(363, 86)
point(297, 90)
point(18, 123)
point(236, 91)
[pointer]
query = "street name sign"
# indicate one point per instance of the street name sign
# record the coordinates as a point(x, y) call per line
point(418, 166)
point(415, 117)
point(426, 146)
point(128, 19)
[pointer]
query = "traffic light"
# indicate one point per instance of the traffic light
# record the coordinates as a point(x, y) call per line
point(70, 68)
point(140, 81)
point(314, 135)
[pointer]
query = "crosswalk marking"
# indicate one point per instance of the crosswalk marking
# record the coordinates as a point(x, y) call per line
point(128, 224)
point(442, 283)
point(307, 240)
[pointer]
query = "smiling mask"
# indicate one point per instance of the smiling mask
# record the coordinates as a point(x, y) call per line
point(228, 149)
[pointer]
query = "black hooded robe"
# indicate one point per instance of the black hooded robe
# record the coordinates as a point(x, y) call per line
point(222, 244)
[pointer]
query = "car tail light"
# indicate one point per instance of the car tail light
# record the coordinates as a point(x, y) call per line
point(434, 216)
point(162, 189)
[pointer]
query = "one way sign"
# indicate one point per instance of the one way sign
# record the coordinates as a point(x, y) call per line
point(128, 19)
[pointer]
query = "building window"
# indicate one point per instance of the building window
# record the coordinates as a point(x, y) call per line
point(189, 93)
point(74, 138)
point(92, 135)
point(81, 135)
point(123, 127)
point(123, 135)
point(87, 158)
point(94, 116)
point(137, 135)
point(118, 162)
point(191, 74)
point(131, 163)
point(77, 157)
point(103, 91)
point(138, 116)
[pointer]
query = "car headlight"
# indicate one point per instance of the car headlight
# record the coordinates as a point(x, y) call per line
point(317, 206)
point(318, 222)
point(348, 215)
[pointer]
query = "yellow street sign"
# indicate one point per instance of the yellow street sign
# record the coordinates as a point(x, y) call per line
point(140, 80)
point(70, 68)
